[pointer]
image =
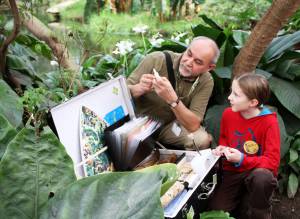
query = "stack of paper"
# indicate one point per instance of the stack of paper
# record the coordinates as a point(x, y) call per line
point(126, 139)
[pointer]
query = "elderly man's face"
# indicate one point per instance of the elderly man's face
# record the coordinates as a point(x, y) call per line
point(197, 59)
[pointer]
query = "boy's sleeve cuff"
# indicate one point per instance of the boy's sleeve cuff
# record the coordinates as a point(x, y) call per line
point(241, 161)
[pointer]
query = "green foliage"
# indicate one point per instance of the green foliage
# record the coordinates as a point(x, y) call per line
point(171, 175)
point(288, 93)
point(235, 14)
point(91, 7)
point(32, 169)
point(37, 46)
point(7, 133)
point(24, 59)
point(290, 168)
point(37, 102)
point(11, 105)
point(223, 37)
point(74, 11)
point(34, 99)
point(215, 215)
point(293, 23)
point(110, 195)
point(292, 185)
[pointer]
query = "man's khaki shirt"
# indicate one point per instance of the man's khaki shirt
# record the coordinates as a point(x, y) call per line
point(152, 104)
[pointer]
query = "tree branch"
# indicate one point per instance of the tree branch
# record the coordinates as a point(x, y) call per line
point(11, 37)
point(262, 34)
point(42, 32)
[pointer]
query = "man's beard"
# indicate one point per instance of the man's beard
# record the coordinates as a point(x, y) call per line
point(184, 71)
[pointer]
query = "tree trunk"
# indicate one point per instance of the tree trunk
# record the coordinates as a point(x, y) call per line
point(10, 38)
point(113, 6)
point(262, 34)
point(42, 32)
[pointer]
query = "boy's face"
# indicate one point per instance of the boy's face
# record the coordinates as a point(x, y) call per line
point(238, 100)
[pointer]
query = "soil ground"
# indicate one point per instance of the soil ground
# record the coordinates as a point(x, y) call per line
point(285, 208)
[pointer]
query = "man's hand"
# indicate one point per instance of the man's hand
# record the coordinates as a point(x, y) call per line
point(145, 85)
point(164, 89)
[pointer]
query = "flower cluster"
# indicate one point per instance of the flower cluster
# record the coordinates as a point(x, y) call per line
point(181, 37)
point(140, 29)
point(124, 47)
point(156, 40)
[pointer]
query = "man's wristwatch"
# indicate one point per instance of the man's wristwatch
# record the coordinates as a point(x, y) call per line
point(175, 103)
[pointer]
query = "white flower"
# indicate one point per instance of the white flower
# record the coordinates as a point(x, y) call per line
point(187, 41)
point(116, 51)
point(179, 36)
point(140, 29)
point(157, 35)
point(123, 47)
point(53, 63)
point(156, 42)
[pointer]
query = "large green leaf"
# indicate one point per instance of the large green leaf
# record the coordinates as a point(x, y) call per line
point(110, 195)
point(281, 44)
point(282, 68)
point(296, 144)
point(172, 174)
point(229, 53)
point(172, 45)
point(293, 155)
point(7, 133)
point(285, 139)
point(240, 37)
point(35, 45)
point(294, 71)
point(32, 170)
point(212, 121)
point(21, 63)
point(11, 106)
point(215, 215)
point(224, 72)
point(210, 22)
point(288, 93)
point(137, 58)
point(201, 30)
point(264, 73)
point(292, 185)
point(287, 55)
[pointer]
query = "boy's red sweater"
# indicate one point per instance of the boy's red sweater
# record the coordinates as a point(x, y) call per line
point(264, 130)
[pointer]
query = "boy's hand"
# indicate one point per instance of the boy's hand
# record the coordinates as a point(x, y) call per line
point(219, 151)
point(233, 155)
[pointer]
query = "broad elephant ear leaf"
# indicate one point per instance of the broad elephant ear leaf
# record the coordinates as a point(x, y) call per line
point(212, 121)
point(171, 174)
point(32, 170)
point(11, 106)
point(7, 133)
point(280, 45)
point(285, 139)
point(110, 195)
point(288, 94)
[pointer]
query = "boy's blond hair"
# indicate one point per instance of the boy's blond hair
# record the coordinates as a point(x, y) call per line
point(254, 86)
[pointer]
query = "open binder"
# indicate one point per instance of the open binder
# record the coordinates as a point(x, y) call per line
point(131, 142)
point(126, 137)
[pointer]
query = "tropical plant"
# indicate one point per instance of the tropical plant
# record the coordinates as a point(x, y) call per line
point(235, 14)
point(290, 168)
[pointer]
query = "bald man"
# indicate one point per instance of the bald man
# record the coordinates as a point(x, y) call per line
point(182, 108)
